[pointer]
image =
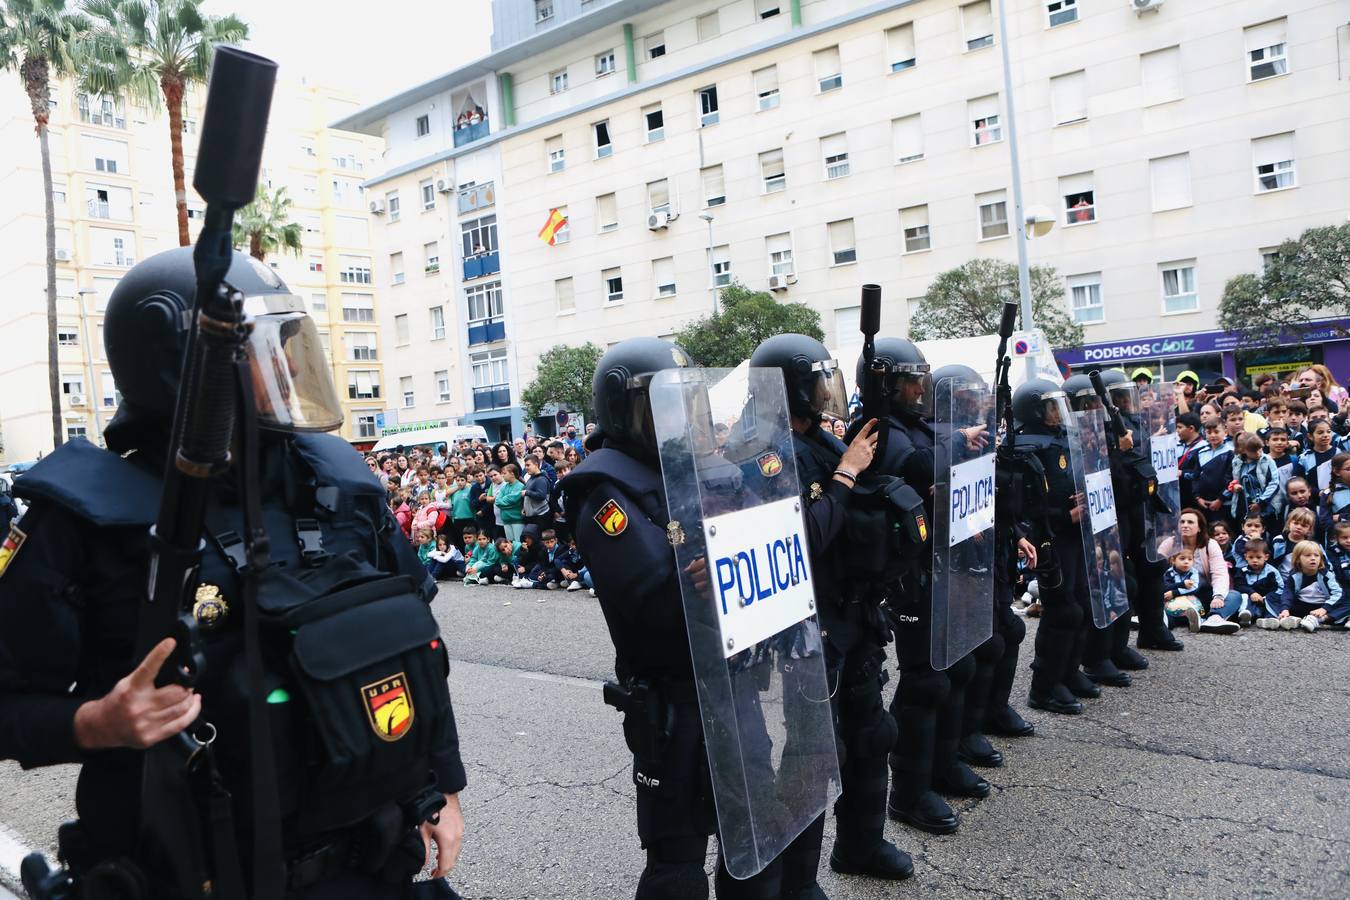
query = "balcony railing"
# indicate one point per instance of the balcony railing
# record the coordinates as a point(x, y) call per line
point(482, 264)
point(470, 133)
point(497, 396)
point(98, 209)
point(485, 331)
point(477, 197)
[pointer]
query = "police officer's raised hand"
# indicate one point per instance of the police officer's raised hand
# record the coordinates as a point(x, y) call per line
point(977, 437)
point(858, 456)
point(447, 832)
point(135, 713)
point(1127, 442)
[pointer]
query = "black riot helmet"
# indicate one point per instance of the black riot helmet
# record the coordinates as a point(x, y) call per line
point(620, 390)
point(1080, 392)
point(815, 386)
point(1124, 392)
point(964, 389)
point(907, 382)
point(1040, 406)
point(145, 335)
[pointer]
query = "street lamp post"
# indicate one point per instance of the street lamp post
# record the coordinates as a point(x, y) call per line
point(712, 266)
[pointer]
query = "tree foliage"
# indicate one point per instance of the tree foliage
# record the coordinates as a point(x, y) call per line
point(747, 318)
point(263, 226)
point(563, 379)
point(968, 302)
point(1308, 279)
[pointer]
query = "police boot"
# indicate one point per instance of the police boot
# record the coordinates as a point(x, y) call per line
point(1000, 718)
point(1047, 692)
point(883, 860)
point(1074, 679)
point(1097, 664)
point(951, 776)
point(975, 748)
point(913, 800)
point(1008, 722)
point(801, 862)
point(1122, 654)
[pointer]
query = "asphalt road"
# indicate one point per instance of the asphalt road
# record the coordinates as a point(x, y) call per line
point(1223, 772)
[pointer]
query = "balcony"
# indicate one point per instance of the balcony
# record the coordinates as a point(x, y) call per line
point(485, 331)
point(497, 396)
point(477, 196)
point(482, 264)
point(98, 209)
point(467, 134)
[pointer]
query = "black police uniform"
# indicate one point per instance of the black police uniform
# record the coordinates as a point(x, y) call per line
point(71, 593)
point(1011, 525)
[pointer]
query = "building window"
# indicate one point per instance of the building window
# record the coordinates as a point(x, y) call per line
point(606, 213)
point(655, 44)
point(766, 88)
point(603, 146)
point(396, 273)
point(771, 169)
point(72, 384)
point(1080, 203)
point(721, 265)
point(1171, 181)
point(76, 430)
point(1178, 287)
point(714, 186)
point(612, 280)
point(428, 192)
point(365, 425)
point(907, 138)
point(1267, 55)
point(709, 26)
point(392, 204)
point(779, 247)
point(423, 126)
point(1160, 75)
point(1274, 160)
point(767, 9)
point(1085, 298)
point(843, 246)
point(655, 122)
point(604, 64)
point(443, 386)
point(437, 323)
point(355, 270)
point(557, 81)
point(900, 47)
point(67, 337)
point(707, 106)
point(658, 196)
point(914, 226)
point(120, 256)
point(1068, 97)
point(993, 208)
point(491, 380)
point(479, 236)
point(977, 23)
point(1269, 256)
point(565, 294)
point(834, 150)
point(829, 72)
point(363, 384)
point(985, 125)
point(663, 276)
point(431, 257)
point(358, 308)
point(111, 396)
point(318, 302)
point(557, 159)
point(401, 335)
point(405, 387)
point(362, 346)
point(1061, 12)
point(543, 11)
point(563, 234)
point(484, 301)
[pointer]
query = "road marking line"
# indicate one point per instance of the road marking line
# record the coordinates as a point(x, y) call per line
point(12, 852)
point(562, 679)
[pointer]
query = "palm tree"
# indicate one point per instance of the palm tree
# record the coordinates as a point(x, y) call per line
point(37, 39)
point(153, 47)
point(264, 227)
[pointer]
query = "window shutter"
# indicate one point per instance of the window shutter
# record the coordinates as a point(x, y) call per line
point(914, 216)
point(1171, 178)
point(766, 80)
point(1068, 97)
point(983, 107)
point(834, 144)
point(1075, 184)
point(827, 62)
point(1267, 34)
point(658, 193)
point(1273, 149)
point(841, 235)
point(779, 243)
point(908, 138)
point(978, 19)
point(713, 182)
point(1160, 75)
point(771, 163)
point(900, 41)
point(566, 294)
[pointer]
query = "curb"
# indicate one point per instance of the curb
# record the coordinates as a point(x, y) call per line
point(12, 852)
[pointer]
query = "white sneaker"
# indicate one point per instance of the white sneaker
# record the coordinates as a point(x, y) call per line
point(1192, 619)
point(1217, 624)
point(1288, 623)
point(552, 585)
point(1268, 624)
point(1244, 618)
point(574, 586)
point(1309, 623)
point(592, 592)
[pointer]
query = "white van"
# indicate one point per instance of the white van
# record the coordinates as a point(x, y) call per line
point(450, 436)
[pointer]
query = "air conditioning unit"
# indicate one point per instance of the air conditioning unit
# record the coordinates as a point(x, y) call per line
point(780, 282)
point(377, 207)
point(443, 186)
point(1142, 6)
point(77, 399)
point(63, 254)
point(658, 221)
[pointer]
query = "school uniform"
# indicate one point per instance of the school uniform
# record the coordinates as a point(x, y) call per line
point(1267, 581)
point(1213, 471)
point(1305, 593)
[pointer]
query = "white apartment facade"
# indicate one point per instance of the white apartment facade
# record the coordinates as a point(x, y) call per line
point(113, 196)
point(835, 144)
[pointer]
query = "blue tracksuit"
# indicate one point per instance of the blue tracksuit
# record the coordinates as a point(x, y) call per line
point(1307, 466)
point(1213, 470)
point(1259, 481)
point(1304, 593)
point(1268, 582)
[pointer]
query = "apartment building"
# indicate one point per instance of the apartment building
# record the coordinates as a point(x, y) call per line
point(808, 148)
point(114, 201)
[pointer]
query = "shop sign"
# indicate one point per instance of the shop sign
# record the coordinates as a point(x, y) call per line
point(1198, 344)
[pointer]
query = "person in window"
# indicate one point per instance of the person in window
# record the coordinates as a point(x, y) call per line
point(1081, 211)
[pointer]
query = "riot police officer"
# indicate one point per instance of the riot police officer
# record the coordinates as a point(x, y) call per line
point(74, 577)
point(1041, 409)
point(854, 629)
point(928, 705)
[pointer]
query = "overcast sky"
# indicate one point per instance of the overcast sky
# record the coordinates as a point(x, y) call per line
point(369, 49)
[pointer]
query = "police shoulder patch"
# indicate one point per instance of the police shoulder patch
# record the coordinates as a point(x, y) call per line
point(611, 518)
point(770, 464)
point(389, 705)
point(10, 548)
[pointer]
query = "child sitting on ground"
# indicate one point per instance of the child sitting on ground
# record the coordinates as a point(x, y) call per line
point(445, 562)
point(1338, 556)
point(1257, 582)
point(425, 544)
point(1299, 526)
point(1219, 531)
point(502, 572)
point(1185, 595)
point(1253, 529)
point(1312, 596)
point(567, 565)
point(529, 558)
point(481, 562)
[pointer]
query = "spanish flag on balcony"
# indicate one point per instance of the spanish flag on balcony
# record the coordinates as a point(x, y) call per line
point(556, 222)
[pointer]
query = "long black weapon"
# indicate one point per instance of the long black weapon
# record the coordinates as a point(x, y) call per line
point(1002, 367)
point(234, 126)
point(1112, 412)
point(874, 377)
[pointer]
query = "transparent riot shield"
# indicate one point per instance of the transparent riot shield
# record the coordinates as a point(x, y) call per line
point(749, 597)
point(1161, 523)
point(1102, 548)
point(963, 527)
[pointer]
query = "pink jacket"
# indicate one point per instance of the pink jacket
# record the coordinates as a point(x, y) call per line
point(1209, 560)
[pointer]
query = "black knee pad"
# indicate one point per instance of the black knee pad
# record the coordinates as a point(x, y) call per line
point(922, 687)
point(673, 881)
point(991, 650)
point(877, 736)
point(1013, 632)
point(961, 672)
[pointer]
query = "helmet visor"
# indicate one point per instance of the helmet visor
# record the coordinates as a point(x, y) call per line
point(292, 386)
point(1125, 396)
point(828, 394)
point(911, 388)
point(1056, 410)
